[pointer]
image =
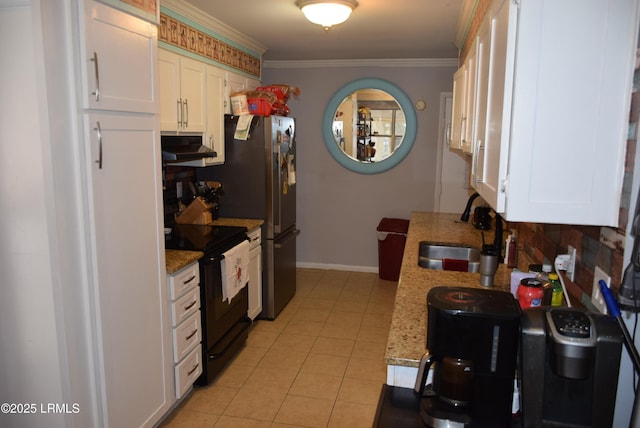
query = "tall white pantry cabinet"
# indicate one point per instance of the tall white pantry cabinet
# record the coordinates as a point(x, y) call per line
point(91, 332)
point(119, 57)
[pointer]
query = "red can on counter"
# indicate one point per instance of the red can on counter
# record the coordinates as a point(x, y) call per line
point(530, 293)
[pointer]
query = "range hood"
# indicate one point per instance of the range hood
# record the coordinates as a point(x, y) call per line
point(186, 150)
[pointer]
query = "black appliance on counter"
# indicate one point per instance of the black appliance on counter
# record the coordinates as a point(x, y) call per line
point(258, 176)
point(225, 325)
point(570, 360)
point(472, 338)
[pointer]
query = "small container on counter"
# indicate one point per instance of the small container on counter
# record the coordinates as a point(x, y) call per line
point(557, 292)
point(530, 293)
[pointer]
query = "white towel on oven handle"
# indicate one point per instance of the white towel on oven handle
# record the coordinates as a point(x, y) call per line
point(235, 270)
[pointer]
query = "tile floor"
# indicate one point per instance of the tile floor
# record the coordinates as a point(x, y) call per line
point(319, 364)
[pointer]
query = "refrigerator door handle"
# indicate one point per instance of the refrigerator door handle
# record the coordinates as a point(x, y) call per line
point(292, 235)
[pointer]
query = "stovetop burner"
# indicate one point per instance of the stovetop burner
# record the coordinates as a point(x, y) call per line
point(205, 238)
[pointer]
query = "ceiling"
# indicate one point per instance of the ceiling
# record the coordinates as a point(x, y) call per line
point(377, 29)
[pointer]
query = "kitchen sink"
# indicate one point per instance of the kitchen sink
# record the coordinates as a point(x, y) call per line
point(431, 255)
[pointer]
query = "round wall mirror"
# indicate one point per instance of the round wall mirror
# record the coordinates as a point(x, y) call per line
point(369, 125)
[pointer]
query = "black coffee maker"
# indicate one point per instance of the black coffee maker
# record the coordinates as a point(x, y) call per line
point(570, 360)
point(472, 338)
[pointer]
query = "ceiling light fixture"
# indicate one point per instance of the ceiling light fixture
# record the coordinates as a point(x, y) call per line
point(327, 12)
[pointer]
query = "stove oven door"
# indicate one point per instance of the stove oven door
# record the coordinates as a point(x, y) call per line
point(225, 324)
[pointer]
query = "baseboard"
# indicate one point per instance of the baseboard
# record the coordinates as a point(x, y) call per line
point(329, 266)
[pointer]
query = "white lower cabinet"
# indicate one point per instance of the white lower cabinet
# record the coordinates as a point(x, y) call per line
point(255, 273)
point(184, 292)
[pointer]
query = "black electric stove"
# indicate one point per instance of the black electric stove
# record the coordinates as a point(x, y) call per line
point(206, 238)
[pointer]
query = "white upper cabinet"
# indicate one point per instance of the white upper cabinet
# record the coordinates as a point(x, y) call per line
point(118, 78)
point(182, 89)
point(551, 127)
point(215, 113)
point(463, 109)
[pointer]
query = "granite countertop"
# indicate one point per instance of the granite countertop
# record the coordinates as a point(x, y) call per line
point(249, 223)
point(178, 259)
point(407, 335)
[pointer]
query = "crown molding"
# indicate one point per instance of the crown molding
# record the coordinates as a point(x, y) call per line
point(407, 62)
point(465, 17)
point(212, 24)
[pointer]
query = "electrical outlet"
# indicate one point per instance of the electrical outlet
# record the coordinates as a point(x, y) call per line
point(596, 296)
point(571, 267)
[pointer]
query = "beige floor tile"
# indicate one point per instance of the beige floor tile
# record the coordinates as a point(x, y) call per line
point(233, 422)
point(328, 365)
point(351, 303)
point(188, 419)
point(331, 346)
point(271, 326)
point(368, 350)
point(250, 355)
point(360, 391)
point(326, 291)
point(352, 415)
point(373, 334)
point(345, 319)
point(234, 375)
point(385, 308)
point(282, 359)
point(279, 425)
point(269, 379)
point(337, 331)
point(376, 320)
point(305, 411)
point(316, 385)
point(304, 327)
point(254, 403)
point(308, 314)
point(211, 399)
point(317, 304)
point(294, 342)
point(259, 337)
point(359, 368)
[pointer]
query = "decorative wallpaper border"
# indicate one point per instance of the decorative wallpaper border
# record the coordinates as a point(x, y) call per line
point(150, 6)
point(183, 36)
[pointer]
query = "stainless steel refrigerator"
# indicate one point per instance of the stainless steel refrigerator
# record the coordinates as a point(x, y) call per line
point(259, 181)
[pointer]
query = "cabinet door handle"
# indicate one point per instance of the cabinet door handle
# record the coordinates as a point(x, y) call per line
point(179, 110)
point(191, 305)
point(195, 367)
point(476, 155)
point(447, 134)
point(96, 93)
point(462, 123)
point(188, 280)
point(98, 130)
point(193, 333)
point(186, 116)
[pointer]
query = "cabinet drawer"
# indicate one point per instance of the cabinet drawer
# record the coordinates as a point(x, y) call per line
point(183, 280)
point(186, 305)
point(188, 371)
point(255, 237)
point(186, 336)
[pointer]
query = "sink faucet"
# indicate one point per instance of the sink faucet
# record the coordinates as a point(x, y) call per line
point(467, 210)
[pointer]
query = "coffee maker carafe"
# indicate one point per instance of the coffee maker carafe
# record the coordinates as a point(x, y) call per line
point(472, 341)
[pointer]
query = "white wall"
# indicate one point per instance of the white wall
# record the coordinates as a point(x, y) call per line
point(44, 355)
point(339, 210)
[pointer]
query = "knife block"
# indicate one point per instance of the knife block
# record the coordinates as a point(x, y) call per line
point(198, 212)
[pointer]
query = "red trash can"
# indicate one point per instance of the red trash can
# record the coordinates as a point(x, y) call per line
point(392, 235)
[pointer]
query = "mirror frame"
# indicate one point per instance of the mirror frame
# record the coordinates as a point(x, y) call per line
point(409, 137)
